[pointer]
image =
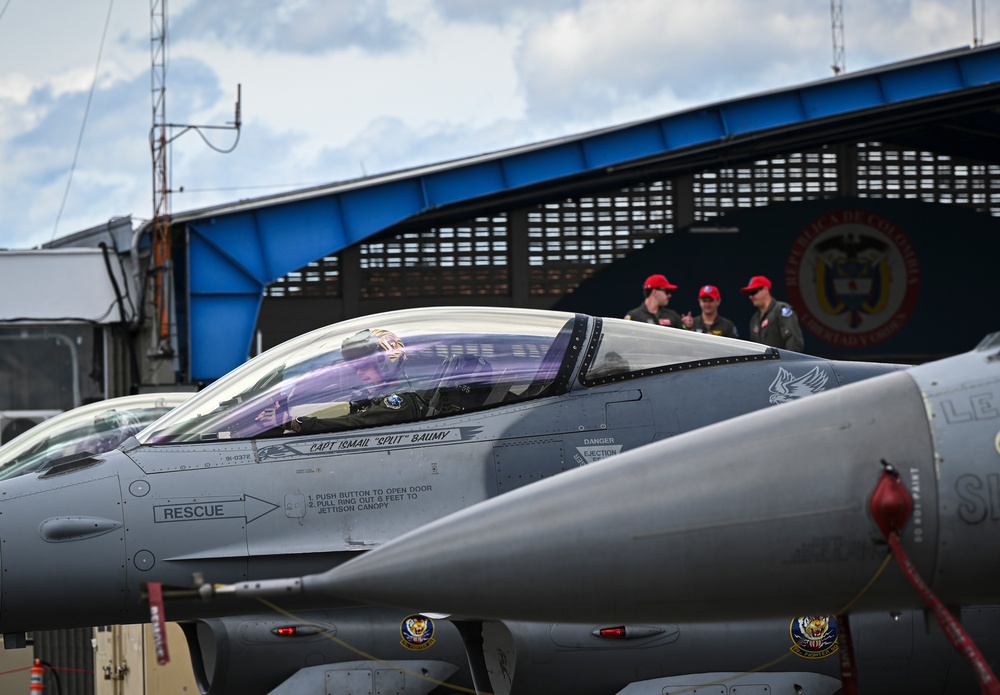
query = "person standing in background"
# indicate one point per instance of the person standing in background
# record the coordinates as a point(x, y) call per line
point(710, 322)
point(775, 323)
point(657, 291)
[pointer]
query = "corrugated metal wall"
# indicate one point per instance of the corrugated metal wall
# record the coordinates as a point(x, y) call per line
point(70, 657)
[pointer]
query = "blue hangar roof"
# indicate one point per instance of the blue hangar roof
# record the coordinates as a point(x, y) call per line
point(234, 251)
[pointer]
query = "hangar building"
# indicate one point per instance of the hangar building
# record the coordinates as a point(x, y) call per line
point(870, 199)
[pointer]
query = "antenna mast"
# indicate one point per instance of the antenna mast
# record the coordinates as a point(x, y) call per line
point(161, 190)
point(978, 27)
point(837, 27)
point(160, 137)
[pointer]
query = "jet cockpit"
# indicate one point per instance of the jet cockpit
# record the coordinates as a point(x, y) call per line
point(454, 359)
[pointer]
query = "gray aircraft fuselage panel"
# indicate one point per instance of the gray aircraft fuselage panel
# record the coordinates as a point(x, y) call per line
point(208, 489)
point(962, 402)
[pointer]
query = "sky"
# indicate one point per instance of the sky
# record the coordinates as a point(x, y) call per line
point(333, 90)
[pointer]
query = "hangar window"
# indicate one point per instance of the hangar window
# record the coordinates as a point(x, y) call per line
point(319, 278)
point(469, 259)
point(46, 368)
point(571, 239)
point(891, 172)
point(789, 177)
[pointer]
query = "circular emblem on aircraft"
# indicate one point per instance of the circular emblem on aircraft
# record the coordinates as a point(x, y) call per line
point(814, 636)
point(853, 277)
point(417, 632)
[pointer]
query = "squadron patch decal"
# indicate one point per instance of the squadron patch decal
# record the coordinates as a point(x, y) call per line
point(814, 636)
point(417, 632)
point(395, 402)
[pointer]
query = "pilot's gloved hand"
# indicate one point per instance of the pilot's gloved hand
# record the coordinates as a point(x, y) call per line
point(361, 405)
point(275, 415)
point(302, 424)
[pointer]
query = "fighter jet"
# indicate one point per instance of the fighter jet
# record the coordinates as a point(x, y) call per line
point(785, 511)
point(344, 438)
point(735, 521)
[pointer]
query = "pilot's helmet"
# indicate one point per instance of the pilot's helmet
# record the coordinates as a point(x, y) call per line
point(380, 345)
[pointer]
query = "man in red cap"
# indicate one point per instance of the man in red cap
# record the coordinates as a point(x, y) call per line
point(710, 321)
point(775, 323)
point(654, 309)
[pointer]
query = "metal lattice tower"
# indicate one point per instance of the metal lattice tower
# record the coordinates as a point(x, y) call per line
point(158, 141)
point(978, 23)
point(160, 137)
point(837, 27)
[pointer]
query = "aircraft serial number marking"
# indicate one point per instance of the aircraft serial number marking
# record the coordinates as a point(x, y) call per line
point(364, 500)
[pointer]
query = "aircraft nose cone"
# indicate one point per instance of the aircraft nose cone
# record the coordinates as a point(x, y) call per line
point(762, 515)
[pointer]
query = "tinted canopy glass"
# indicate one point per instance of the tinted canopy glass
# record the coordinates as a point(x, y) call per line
point(454, 358)
point(631, 347)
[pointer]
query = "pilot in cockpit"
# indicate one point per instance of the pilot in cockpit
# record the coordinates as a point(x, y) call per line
point(386, 395)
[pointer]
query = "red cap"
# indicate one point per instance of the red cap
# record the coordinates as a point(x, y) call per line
point(710, 291)
point(756, 282)
point(658, 282)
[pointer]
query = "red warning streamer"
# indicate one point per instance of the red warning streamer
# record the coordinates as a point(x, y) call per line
point(156, 617)
point(891, 506)
point(848, 672)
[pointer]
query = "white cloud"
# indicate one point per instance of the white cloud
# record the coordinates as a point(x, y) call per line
point(508, 11)
point(632, 58)
point(336, 88)
point(295, 27)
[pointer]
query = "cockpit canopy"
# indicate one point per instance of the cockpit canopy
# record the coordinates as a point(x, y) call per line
point(90, 429)
point(456, 358)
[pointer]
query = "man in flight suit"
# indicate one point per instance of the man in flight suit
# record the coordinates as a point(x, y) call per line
point(657, 290)
point(377, 357)
point(710, 321)
point(775, 323)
